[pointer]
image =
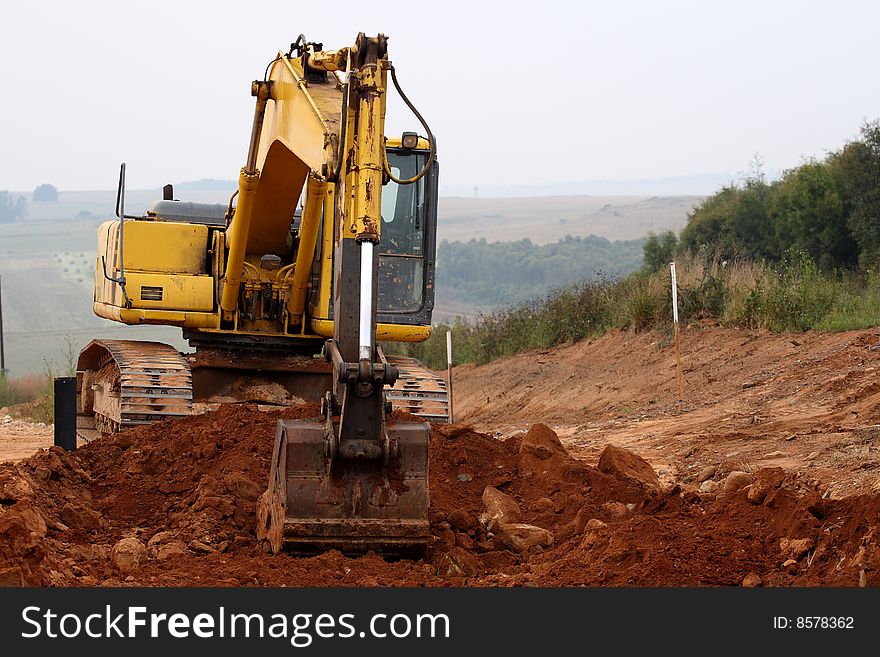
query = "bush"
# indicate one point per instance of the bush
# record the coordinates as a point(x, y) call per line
point(794, 296)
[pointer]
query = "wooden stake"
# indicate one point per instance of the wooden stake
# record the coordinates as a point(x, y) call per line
point(449, 371)
point(679, 374)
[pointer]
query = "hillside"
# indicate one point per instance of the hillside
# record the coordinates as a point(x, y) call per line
point(805, 402)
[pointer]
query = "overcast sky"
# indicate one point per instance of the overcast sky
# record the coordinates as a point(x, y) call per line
point(517, 92)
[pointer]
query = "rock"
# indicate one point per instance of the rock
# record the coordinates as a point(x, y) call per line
point(812, 456)
point(791, 566)
point(446, 540)
point(875, 487)
point(198, 546)
point(12, 576)
point(625, 465)
point(709, 486)
point(580, 520)
point(22, 528)
point(158, 539)
point(458, 563)
point(80, 517)
point(501, 509)
point(751, 580)
point(541, 441)
point(16, 488)
point(128, 554)
point(464, 541)
point(756, 493)
point(595, 524)
point(766, 480)
point(615, 509)
point(242, 487)
point(461, 520)
point(519, 537)
point(465, 477)
point(453, 431)
point(706, 474)
point(736, 480)
point(171, 550)
point(774, 455)
point(795, 548)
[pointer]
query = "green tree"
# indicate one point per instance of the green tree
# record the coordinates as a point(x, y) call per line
point(856, 169)
point(658, 251)
point(45, 193)
point(11, 207)
point(808, 212)
point(734, 221)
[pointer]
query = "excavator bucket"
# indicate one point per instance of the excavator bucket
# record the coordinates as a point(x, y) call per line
point(317, 501)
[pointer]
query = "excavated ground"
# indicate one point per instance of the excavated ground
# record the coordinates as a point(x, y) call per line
point(173, 503)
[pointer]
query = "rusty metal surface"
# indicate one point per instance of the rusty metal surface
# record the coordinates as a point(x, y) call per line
point(418, 390)
point(318, 501)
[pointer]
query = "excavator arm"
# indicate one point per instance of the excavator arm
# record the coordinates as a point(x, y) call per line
point(353, 482)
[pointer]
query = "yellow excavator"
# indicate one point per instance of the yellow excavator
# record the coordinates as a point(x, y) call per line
point(326, 249)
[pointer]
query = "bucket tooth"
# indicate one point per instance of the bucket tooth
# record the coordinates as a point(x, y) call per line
point(351, 505)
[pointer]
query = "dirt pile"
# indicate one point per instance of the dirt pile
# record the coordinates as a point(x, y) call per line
point(174, 504)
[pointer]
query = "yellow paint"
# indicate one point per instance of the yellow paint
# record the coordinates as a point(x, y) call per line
point(164, 246)
point(384, 332)
point(179, 291)
point(308, 237)
point(165, 317)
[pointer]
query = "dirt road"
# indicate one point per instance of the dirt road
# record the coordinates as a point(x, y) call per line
point(20, 439)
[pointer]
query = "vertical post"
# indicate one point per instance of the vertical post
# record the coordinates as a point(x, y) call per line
point(449, 372)
point(2, 350)
point(65, 412)
point(679, 375)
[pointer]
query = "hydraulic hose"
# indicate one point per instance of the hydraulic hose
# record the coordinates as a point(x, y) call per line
point(433, 152)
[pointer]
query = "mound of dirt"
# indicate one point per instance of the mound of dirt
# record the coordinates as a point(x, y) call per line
point(174, 504)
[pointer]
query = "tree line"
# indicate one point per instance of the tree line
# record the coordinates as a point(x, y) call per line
point(499, 273)
point(827, 209)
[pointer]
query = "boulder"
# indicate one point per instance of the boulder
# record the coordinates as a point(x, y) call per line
point(80, 517)
point(501, 509)
point(795, 548)
point(15, 487)
point(461, 520)
point(751, 580)
point(22, 528)
point(766, 480)
point(615, 509)
point(519, 537)
point(242, 487)
point(737, 480)
point(541, 441)
point(706, 474)
point(128, 554)
point(171, 550)
point(12, 576)
point(709, 486)
point(158, 539)
point(625, 465)
point(458, 563)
